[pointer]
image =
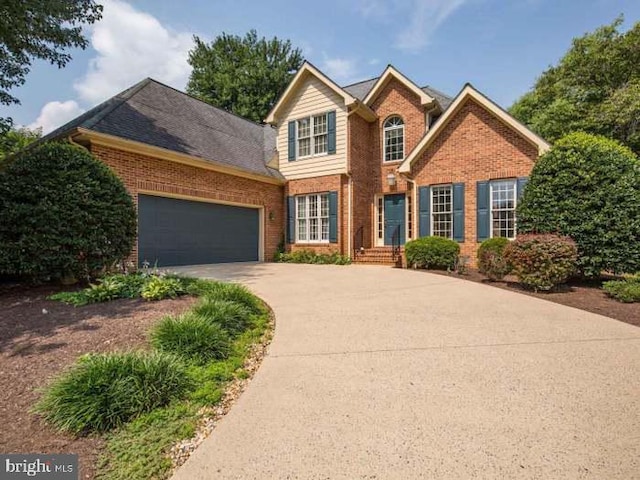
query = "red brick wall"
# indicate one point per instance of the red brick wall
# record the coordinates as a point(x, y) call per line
point(328, 183)
point(144, 173)
point(474, 146)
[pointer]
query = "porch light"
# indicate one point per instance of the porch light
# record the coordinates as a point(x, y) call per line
point(391, 179)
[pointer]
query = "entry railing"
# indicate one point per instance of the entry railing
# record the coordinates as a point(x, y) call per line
point(358, 241)
point(395, 242)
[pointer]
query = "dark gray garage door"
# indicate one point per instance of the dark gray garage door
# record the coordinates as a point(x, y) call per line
point(183, 232)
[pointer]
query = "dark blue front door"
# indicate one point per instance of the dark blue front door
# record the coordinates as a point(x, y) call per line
point(394, 215)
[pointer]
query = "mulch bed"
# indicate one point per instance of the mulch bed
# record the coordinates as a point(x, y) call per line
point(585, 295)
point(39, 338)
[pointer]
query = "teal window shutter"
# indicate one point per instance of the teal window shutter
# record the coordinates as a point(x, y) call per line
point(292, 140)
point(331, 132)
point(482, 206)
point(333, 217)
point(424, 211)
point(520, 184)
point(458, 212)
point(291, 219)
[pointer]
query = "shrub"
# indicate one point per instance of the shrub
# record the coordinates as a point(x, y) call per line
point(588, 188)
point(192, 337)
point(159, 288)
point(226, 291)
point(627, 290)
point(234, 317)
point(309, 256)
point(63, 215)
point(108, 288)
point(542, 262)
point(102, 391)
point(432, 252)
point(491, 261)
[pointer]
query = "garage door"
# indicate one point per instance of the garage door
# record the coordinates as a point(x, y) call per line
point(183, 232)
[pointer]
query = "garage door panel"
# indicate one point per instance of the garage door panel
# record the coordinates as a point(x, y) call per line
point(185, 232)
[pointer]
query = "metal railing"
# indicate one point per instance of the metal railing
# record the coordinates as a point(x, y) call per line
point(358, 241)
point(395, 242)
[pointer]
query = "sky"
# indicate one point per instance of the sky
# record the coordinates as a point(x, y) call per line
point(500, 46)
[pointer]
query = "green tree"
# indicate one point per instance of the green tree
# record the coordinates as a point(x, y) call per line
point(594, 88)
point(36, 30)
point(63, 214)
point(242, 75)
point(17, 139)
point(588, 188)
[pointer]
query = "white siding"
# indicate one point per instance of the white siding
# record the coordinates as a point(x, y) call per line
point(313, 97)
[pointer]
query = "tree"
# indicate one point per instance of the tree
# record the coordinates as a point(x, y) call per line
point(63, 214)
point(17, 139)
point(242, 75)
point(36, 30)
point(594, 88)
point(588, 188)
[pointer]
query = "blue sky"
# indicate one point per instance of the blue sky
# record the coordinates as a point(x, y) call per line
point(500, 46)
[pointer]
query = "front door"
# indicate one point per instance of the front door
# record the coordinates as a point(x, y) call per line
point(394, 217)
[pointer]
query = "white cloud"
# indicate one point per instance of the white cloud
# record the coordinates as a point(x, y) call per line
point(372, 8)
point(341, 70)
point(55, 114)
point(130, 46)
point(425, 18)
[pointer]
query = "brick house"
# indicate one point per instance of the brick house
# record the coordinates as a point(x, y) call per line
point(354, 169)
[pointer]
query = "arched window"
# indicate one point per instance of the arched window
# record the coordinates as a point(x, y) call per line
point(393, 130)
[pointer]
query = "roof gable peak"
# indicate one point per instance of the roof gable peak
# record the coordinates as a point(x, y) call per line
point(392, 73)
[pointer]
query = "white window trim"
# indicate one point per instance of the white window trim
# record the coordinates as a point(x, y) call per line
point(515, 205)
point(384, 140)
point(307, 218)
point(311, 137)
point(379, 220)
point(432, 212)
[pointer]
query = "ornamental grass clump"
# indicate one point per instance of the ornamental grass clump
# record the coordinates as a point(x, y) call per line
point(191, 337)
point(234, 317)
point(103, 391)
point(542, 262)
point(226, 291)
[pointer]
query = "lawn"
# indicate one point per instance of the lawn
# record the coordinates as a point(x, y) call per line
point(40, 338)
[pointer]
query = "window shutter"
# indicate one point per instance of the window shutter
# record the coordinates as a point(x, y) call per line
point(482, 204)
point(291, 219)
point(424, 211)
point(292, 140)
point(458, 212)
point(331, 132)
point(333, 217)
point(520, 184)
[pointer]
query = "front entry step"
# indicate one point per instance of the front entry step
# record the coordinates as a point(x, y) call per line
point(379, 256)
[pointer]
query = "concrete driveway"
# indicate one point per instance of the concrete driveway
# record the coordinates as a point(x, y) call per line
point(378, 373)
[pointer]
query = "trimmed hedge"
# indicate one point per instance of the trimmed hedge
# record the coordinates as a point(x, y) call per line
point(103, 391)
point(63, 215)
point(309, 256)
point(588, 188)
point(432, 252)
point(491, 261)
point(542, 262)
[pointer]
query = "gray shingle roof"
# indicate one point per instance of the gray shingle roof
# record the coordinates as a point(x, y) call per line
point(361, 89)
point(158, 115)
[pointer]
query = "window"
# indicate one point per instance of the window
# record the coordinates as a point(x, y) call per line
point(409, 216)
point(393, 139)
point(442, 211)
point(380, 219)
point(312, 218)
point(503, 209)
point(313, 135)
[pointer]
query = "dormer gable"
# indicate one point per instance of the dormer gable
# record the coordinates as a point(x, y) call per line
point(392, 73)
